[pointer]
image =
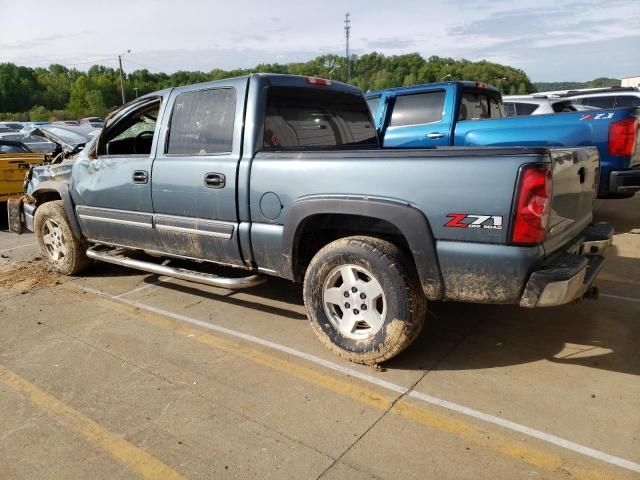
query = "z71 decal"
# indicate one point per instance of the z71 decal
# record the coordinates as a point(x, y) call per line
point(465, 220)
point(597, 116)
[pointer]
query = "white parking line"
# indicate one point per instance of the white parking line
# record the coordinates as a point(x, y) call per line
point(620, 297)
point(16, 248)
point(145, 287)
point(546, 437)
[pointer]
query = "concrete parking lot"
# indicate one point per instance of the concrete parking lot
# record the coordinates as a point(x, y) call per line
point(121, 374)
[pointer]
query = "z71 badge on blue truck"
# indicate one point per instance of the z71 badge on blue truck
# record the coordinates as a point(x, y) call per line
point(283, 176)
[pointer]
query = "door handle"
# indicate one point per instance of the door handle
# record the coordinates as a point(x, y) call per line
point(214, 180)
point(434, 135)
point(140, 176)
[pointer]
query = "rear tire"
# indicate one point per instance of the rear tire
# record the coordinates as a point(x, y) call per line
point(59, 247)
point(364, 299)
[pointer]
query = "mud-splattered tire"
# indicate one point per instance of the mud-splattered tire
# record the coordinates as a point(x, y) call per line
point(63, 252)
point(364, 299)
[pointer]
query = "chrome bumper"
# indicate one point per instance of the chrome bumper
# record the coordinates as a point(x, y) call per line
point(568, 276)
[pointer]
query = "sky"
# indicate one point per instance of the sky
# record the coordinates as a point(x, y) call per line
point(551, 40)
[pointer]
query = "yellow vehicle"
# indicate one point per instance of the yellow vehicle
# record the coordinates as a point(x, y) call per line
point(15, 161)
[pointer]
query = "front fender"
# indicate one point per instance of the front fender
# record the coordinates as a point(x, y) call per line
point(410, 221)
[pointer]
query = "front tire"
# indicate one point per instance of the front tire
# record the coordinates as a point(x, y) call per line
point(364, 299)
point(63, 252)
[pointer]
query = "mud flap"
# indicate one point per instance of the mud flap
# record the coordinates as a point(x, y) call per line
point(14, 213)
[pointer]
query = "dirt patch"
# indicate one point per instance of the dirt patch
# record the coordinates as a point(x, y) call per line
point(26, 275)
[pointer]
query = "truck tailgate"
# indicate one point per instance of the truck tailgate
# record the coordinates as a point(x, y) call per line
point(575, 186)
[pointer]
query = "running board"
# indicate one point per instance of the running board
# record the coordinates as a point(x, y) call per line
point(119, 258)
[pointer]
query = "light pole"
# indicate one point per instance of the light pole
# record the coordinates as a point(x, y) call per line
point(124, 100)
point(136, 90)
point(499, 82)
point(448, 75)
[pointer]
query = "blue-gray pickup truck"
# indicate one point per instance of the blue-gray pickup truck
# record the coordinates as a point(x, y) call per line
point(284, 176)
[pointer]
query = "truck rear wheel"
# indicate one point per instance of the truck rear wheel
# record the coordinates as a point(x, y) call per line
point(63, 252)
point(364, 299)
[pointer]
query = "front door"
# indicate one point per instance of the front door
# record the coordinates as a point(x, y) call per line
point(195, 171)
point(112, 188)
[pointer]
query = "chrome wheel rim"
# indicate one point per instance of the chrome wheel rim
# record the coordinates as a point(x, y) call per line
point(54, 241)
point(354, 301)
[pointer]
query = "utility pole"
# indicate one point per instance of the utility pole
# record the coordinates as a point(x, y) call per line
point(124, 100)
point(347, 34)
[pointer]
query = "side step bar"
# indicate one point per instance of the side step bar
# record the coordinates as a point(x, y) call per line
point(118, 258)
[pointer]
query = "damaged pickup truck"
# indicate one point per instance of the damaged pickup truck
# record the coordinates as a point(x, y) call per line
point(284, 176)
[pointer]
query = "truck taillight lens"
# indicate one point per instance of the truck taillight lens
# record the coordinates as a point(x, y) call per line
point(533, 205)
point(622, 137)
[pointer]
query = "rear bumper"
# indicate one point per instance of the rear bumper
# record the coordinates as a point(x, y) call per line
point(567, 276)
point(624, 182)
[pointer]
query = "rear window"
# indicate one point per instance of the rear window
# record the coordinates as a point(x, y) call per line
point(478, 105)
point(315, 118)
point(599, 102)
point(418, 109)
point(202, 122)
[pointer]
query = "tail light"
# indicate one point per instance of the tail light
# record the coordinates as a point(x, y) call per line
point(533, 205)
point(321, 82)
point(622, 137)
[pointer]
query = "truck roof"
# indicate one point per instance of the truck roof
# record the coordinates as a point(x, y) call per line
point(417, 88)
point(277, 80)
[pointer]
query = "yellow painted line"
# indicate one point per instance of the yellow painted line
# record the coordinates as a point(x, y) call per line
point(144, 464)
point(520, 451)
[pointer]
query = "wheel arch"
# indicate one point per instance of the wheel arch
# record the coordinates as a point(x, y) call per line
point(58, 190)
point(411, 226)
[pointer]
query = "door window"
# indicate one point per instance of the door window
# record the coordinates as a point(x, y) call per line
point(627, 101)
point(132, 134)
point(418, 109)
point(202, 122)
point(599, 102)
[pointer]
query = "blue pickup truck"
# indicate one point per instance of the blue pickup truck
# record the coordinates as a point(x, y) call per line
point(471, 113)
point(283, 176)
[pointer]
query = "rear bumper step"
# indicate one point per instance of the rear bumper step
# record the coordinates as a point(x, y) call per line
point(118, 257)
point(568, 276)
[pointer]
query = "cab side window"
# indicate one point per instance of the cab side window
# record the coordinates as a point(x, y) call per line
point(132, 134)
point(418, 109)
point(202, 122)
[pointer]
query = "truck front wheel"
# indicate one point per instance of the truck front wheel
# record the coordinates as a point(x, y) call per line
point(62, 251)
point(364, 299)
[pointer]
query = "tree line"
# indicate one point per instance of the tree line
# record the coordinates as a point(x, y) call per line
point(59, 93)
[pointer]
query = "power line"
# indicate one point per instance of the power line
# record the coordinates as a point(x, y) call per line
point(141, 65)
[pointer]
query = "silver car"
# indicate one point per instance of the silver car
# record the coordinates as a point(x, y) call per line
point(36, 143)
point(522, 105)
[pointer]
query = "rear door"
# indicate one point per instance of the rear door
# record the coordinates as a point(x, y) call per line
point(194, 174)
point(421, 119)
